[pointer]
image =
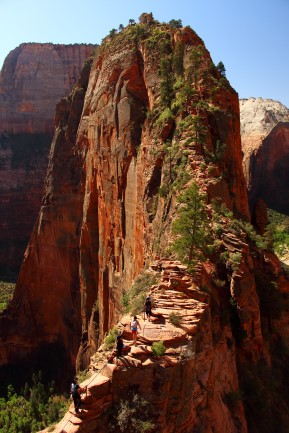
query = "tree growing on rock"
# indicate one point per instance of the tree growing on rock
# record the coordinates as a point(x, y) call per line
point(177, 24)
point(191, 227)
point(221, 68)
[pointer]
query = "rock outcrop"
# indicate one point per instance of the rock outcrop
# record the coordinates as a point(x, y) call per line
point(265, 144)
point(150, 115)
point(33, 78)
point(102, 217)
point(179, 385)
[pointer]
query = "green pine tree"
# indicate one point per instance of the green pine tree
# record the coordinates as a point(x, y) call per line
point(191, 226)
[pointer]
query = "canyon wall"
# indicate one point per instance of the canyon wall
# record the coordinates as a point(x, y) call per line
point(265, 143)
point(102, 218)
point(33, 78)
point(149, 115)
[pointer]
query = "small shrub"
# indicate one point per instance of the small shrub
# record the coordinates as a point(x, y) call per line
point(137, 293)
point(164, 191)
point(235, 260)
point(6, 293)
point(83, 375)
point(125, 302)
point(109, 340)
point(158, 348)
point(132, 415)
point(165, 117)
point(175, 319)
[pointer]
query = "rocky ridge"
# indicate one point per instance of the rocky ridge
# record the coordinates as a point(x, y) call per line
point(121, 154)
point(189, 359)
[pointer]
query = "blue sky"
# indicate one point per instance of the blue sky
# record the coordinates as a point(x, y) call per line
point(251, 37)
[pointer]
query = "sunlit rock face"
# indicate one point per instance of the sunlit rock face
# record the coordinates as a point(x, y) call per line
point(33, 78)
point(102, 218)
point(126, 143)
point(265, 144)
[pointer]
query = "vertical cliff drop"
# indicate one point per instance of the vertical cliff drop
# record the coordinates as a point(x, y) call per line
point(33, 78)
point(149, 115)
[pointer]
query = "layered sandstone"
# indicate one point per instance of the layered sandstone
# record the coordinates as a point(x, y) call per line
point(120, 156)
point(179, 385)
point(264, 132)
point(101, 217)
point(33, 78)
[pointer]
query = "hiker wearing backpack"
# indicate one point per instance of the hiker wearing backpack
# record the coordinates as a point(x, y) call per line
point(133, 326)
point(76, 392)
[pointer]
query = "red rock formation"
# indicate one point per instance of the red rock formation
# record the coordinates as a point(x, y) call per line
point(265, 141)
point(269, 169)
point(181, 385)
point(33, 78)
point(101, 214)
point(110, 200)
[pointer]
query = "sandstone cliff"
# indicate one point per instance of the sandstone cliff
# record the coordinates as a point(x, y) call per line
point(33, 78)
point(265, 141)
point(151, 115)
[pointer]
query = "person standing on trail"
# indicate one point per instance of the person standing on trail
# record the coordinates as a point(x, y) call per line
point(76, 392)
point(119, 345)
point(133, 326)
point(148, 308)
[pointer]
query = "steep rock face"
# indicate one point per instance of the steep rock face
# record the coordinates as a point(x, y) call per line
point(33, 78)
point(127, 140)
point(264, 134)
point(101, 218)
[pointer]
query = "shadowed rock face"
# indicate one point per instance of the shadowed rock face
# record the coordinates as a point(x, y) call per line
point(269, 170)
point(33, 78)
point(264, 132)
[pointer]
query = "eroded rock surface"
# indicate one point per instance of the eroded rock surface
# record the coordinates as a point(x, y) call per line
point(120, 156)
point(265, 144)
point(33, 78)
point(180, 385)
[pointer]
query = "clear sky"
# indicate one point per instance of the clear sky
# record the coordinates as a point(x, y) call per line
point(251, 37)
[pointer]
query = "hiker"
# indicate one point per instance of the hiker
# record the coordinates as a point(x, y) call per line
point(148, 308)
point(133, 325)
point(119, 345)
point(76, 392)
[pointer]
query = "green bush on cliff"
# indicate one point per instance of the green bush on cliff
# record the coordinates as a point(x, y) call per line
point(110, 339)
point(278, 232)
point(133, 300)
point(32, 410)
point(6, 293)
point(158, 348)
point(132, 415)
point(175, 318)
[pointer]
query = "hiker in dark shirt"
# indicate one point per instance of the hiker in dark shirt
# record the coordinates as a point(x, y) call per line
point(148, 308)
point(76, 392)
point(119, 345)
